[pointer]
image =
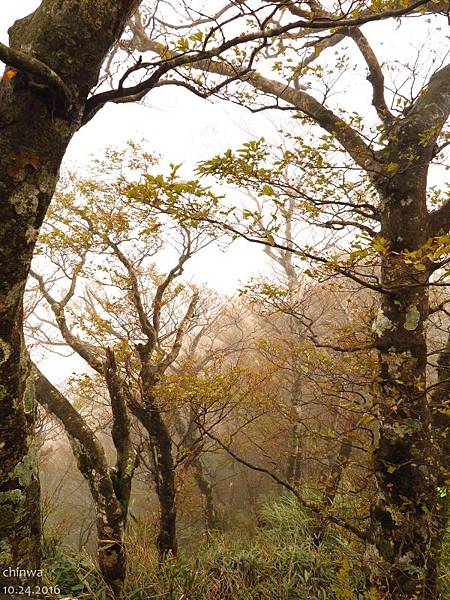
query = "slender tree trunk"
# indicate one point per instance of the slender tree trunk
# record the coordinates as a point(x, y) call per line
point(405, 458)
point(191, 437)
point(332, 487)
point(294, 465)
point(92, 463)
point(111, 552)
point(206, 490)
point(164, 473)
point(20, 519)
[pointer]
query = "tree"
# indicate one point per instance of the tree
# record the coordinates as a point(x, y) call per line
point(52, 85)
point(410, 243)
point(329, 418)
point(110, 487)
point(130, 323)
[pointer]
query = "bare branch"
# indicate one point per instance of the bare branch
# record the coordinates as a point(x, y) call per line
point(181, 331)
point(375, 77)
point(149, 330)
point(192, 57)
point(362, 535)
point(86, 351)
point(81, 436)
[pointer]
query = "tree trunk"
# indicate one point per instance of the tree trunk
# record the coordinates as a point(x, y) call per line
point(294, 465)
point(71, 38)
point(332, 487)
point(111, 554)
point(20, 519)
point(149, 415)
point(405, 458)
point(92, 463)
point(206, 490)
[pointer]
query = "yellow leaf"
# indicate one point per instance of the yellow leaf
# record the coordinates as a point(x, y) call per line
point(9, 73)
point(393, 168)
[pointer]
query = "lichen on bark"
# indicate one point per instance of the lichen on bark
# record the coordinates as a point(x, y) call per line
point(412, 318)
point(381, 323)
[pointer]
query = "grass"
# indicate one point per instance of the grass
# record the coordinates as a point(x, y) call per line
point(275, 560)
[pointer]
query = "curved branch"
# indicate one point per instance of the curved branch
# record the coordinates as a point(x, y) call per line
point(181, 331)
point(149, 330)
point(375, 77)
point(174, 61)
point(87, 449)
point(300, 100)
point(84, 350)
point(362, 535)
point(37, 69)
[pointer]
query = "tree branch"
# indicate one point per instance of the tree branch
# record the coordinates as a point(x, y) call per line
point(181, 331)
point(81, 437)
point(362, 535)
point(149, 330)
point(300, 100)
point(84, 350)
point(37, 70)
point(376, 77)
point(174, 61)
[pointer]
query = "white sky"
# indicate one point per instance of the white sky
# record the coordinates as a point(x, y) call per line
point(184, 128)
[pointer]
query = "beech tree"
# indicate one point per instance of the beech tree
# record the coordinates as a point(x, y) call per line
point(133, 319)
point(110, 487)
point(410, 243)
point(406, 454)
point(41, 109)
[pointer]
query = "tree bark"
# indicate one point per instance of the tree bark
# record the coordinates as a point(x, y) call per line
point(332, 486)
point(294, 464)
point(71, 38)
point(149, 414)
point(405, 458)
point(20, 518)
point(206, 490)
point(92, 463)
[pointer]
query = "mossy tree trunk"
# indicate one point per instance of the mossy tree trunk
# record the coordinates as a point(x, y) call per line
point(110, 488)
point(149, 415)
point(191, 437)
point(333, 481)
point(441, 432)
point(60, 48)
point(405, 458)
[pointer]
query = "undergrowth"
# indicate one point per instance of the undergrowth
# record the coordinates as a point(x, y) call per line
point(277, 561)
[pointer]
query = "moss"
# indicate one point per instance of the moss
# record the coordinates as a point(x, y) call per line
point(7, 515)
point(10, 507)
point(25, 200)
point(3, 392)
point(31, 234)
point(131, 462)
point(5, 351)
point(5, 553)
point(29, 395)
